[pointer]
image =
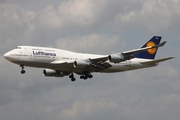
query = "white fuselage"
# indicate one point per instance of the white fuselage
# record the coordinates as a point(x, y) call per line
point(43, 57)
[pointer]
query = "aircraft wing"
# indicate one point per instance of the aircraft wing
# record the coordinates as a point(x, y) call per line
point(99, 59)
point(97, 64)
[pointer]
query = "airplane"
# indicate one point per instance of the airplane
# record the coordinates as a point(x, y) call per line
point(60, 63)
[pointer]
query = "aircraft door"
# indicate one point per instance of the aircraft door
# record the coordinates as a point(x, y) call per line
point(28, 52)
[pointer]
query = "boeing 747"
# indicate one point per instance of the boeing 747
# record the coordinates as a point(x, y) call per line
point(60, 63)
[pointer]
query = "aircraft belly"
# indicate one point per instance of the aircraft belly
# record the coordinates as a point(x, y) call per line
point(67, 67)
point(124, 67)
point(115, 68)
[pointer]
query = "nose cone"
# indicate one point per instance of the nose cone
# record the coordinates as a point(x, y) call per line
point(7, 56)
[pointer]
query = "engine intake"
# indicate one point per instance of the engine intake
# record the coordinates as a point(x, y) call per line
point(116, 58)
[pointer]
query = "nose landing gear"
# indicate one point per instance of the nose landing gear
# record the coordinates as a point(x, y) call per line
point(22, 71)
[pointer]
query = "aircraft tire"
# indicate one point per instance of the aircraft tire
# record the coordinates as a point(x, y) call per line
point(23, 71)
point(73, 79)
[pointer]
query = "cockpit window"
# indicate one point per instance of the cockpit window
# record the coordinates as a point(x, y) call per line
point(18, 47)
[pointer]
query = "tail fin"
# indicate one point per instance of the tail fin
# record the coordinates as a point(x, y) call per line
point(151, 53)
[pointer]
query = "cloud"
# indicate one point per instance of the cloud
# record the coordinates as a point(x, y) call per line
point(15, 25)
point(101, 27)
point(77, 12)
point(89, 43)
point(161, 16)
point(87, 108)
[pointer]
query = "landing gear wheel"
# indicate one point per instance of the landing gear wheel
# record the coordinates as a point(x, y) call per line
point(23, 71)
point(86, 76)
point(90, 76)
point(82, 77)
point(72, 77)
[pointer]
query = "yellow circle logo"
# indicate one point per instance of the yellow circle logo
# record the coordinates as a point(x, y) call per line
point(152, 50)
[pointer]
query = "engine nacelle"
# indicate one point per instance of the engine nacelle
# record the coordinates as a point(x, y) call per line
point(53, 73)
point(80, 64)
point(116, 58)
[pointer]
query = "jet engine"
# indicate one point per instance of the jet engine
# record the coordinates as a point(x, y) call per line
point(116, 58)
point(81, 64)
point(53, 73)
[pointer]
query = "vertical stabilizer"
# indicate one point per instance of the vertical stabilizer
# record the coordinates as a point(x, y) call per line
point(151, 53)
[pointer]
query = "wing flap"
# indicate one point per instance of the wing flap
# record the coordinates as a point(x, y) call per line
point(100, 66)
point(157, 61)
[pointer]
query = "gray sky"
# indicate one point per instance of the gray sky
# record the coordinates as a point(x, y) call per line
point(93, 26)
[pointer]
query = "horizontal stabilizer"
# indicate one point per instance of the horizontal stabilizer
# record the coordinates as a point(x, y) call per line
point(157, 61)
point(162, 44)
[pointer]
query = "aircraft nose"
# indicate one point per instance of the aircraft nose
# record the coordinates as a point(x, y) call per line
point(7, 56)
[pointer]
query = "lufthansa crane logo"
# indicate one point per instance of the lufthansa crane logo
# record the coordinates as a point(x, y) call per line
point(152, 50)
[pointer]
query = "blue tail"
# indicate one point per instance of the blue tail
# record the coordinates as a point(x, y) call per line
point(151, 53)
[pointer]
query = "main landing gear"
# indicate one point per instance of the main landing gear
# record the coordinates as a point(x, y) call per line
point(86, 76)
point(22, 71)
point(72, 77)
